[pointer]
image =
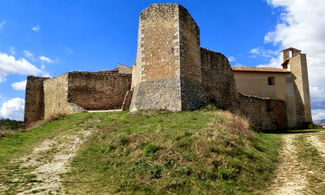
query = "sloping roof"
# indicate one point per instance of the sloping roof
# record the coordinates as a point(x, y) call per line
point(259, 69)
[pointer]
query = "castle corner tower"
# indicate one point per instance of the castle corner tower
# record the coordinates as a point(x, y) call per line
point(167, 72)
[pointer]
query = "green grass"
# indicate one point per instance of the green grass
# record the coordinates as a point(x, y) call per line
point(186, 152)
point(154, 153)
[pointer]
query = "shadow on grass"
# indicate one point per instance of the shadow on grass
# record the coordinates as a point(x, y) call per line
point(296, 131)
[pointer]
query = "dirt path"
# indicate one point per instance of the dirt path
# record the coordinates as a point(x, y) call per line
point(291, 175)
point(318, 144)
point(40, 171)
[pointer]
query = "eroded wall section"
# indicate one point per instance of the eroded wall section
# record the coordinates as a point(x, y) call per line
point(98, 91)
point(263, 114)
point(34, 100)
point(56, 97)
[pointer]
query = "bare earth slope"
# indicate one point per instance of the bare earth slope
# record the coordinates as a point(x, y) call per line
point(44, 165)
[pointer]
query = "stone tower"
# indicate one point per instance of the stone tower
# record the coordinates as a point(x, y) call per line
point(167, 72)
point(299, 108)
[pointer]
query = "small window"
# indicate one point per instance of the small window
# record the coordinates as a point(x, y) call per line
point(271, 80)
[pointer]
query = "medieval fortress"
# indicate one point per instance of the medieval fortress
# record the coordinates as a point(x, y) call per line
point(173, 72)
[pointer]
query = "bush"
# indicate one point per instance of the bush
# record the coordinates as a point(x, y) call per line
point(150, 149)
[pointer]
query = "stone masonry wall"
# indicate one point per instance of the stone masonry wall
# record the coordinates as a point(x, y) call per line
point(217, 79)
point(190, 62)
point(156, 82)
point(94, 91)
point(34, 100)
point(263, 114)
point(56, 97)
point(298, 68)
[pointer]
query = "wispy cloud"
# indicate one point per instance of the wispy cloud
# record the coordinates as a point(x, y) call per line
point(28, 54)
point(264, 52)
point(46, 59)
point(231, 59)
point(12, 50)
point(2, 24)
point(68, 51)
point(36, 28)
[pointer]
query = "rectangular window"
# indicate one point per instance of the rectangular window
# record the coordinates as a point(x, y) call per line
point(271, 80)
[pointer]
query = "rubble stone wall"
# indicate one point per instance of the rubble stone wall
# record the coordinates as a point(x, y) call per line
point(34, 100)
point(93, 91)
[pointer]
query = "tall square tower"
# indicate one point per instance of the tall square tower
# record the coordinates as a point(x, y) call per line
point(167, 73)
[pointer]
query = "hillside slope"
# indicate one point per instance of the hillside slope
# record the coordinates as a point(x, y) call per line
point(198, 152)
point(186, 152)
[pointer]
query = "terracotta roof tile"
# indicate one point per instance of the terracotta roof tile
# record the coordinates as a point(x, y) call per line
point(259, 69)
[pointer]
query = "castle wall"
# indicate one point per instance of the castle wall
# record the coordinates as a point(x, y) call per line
point(34, 100)
point(217, 79)
point(190, 62)
point(124, 69)
point(220, 89)
point(156, 82)
point(263, 114)
point(94, 91)
point(56, 97)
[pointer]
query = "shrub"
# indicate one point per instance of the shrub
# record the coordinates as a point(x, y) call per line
point(150, 149)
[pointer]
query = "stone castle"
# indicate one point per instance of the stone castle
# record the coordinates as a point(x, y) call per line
point(173, 72)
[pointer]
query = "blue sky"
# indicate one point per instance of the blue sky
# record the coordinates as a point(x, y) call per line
point(48, 38)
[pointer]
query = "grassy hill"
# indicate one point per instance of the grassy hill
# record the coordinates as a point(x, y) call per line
point(205, 151)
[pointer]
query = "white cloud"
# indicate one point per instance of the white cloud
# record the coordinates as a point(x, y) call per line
point(302, 25)
point(11, 65)
point(13, 109)
point(36, 28)
point(68, 51)
point(2, 24)
point(20, 86)
point(46, 59)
